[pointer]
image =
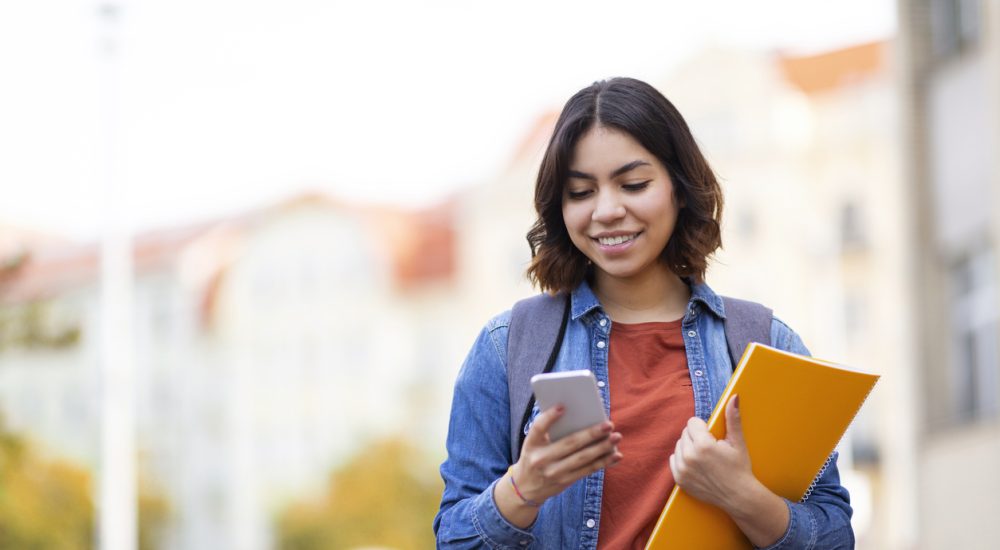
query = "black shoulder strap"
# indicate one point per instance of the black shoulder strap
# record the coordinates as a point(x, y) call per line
point(535, 326)
point(745, 322)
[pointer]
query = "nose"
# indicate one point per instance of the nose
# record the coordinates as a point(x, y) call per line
point(609, 208)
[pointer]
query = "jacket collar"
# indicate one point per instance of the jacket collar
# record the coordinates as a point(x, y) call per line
point(701, 292)
point(583, 300)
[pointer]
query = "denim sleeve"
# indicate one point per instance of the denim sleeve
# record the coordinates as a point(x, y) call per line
point(478, 452)
point(822, 520)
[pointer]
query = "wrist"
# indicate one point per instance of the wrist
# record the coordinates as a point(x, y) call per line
point(517, 491)
point(510, 506)
point(761, 514)
point(745, 502)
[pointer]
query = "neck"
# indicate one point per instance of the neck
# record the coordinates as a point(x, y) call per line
point(653, 296)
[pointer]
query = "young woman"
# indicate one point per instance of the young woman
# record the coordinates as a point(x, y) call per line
point(628, 215)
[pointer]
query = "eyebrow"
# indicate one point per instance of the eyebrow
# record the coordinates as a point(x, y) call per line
point(617, 172)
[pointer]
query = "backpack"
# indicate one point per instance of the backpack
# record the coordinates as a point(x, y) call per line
point(535, 326)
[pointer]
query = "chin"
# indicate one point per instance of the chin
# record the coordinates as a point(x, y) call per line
point(618, 273)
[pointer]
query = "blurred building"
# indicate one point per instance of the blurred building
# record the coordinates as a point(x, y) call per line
point(493, 220)
point(269, 347)
point(807, 150)
point(950, 74)
point(272, 345)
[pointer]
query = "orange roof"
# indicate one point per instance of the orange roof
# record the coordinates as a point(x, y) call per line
point(420, 248)
point(830, 70)
point(421, 243)
point(537, 138)
point(15, 240)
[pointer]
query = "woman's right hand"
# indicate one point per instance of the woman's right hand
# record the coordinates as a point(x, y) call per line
point(547, 468)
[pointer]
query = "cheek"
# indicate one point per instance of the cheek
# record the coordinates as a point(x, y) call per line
point(665, 211)
point(573, 219)
point(576, 222)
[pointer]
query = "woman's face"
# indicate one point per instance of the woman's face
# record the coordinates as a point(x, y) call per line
point(618, 205)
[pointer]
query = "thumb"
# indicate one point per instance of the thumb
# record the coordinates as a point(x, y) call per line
point(539, 430)
point(734, 422)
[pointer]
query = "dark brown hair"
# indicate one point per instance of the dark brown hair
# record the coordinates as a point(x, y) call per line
point(638, 109)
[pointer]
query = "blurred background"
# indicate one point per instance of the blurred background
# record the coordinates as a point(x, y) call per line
point(245, 245)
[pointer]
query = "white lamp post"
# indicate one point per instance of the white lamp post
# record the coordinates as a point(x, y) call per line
point(116, 510)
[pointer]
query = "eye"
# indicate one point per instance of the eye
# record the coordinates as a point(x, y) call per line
point(638, 186)
point(577, 195)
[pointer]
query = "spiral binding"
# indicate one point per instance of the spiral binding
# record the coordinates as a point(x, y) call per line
point(812, 486)
point(829, 458)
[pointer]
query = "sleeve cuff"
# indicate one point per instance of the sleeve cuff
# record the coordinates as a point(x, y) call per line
point(801, 530)
point(495, 530)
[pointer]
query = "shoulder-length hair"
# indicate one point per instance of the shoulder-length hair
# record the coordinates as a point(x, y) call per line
point(638, 109)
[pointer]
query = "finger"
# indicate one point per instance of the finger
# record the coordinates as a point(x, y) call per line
point(698, 435)
point(582, 457)
point(539, 430)
point(603, 461)
point(571, 444)
point(678, 466)
point(559, 459)
point(697, 426)
point(734, 422)
point(582, 438)
point(615, 459)
point(682, 442)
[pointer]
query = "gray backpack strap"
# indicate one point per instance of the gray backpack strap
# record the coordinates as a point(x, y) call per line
point(745, 322)
point(537, 325)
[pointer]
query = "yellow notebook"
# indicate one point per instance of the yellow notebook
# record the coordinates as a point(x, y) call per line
point(794, 411)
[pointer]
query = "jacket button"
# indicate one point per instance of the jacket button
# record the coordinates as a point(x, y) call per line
point(600, 344)
point(591, 523)
point(692, 333)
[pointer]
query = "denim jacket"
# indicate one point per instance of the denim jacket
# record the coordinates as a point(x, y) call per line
point(479, 447)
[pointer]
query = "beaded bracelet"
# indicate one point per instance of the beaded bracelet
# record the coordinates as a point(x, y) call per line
point(517, 491)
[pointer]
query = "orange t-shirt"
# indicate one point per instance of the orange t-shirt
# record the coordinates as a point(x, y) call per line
point(651, 402)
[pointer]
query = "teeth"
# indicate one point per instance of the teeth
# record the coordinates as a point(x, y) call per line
point(611, 241)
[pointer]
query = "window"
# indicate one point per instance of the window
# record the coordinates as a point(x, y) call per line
point(855, 313)
point(955, 26)
point(852, 230)
point(974, 326)
point(746, 224)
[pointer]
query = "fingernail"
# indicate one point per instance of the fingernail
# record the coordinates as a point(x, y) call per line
point(736, 402)
point(606, 427)
point(560, 408)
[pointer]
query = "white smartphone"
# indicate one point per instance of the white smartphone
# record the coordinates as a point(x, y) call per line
point(577, 391)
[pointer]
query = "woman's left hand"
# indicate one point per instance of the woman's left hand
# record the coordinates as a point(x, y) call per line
point(713, 470)
point(717, 471)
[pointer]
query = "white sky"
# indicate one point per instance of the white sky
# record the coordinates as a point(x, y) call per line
point(228, 104)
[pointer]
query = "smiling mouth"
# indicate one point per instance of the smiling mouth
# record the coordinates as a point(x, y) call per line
point(612, 241)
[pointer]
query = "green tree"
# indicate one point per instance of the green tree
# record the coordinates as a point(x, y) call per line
point(49, 505)
point(43, 504)
point(386, 496)
point(154, 513)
